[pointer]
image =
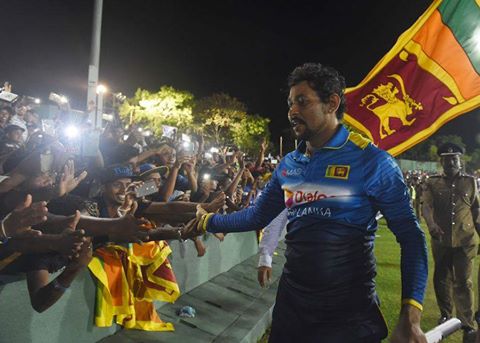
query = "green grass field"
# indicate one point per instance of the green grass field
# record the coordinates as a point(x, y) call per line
point(387, 252)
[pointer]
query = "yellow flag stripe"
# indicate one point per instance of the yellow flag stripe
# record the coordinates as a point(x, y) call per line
point(402, 40)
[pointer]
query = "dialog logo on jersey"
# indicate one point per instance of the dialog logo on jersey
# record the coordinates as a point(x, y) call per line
point(298, 197)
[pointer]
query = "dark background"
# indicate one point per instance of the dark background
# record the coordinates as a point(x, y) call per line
point(244, 48)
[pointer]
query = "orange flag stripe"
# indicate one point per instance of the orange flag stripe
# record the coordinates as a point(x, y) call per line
point(114, 270)
point(439, 43)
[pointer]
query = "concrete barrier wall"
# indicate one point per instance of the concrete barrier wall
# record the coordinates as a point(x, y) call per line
point(71, 318)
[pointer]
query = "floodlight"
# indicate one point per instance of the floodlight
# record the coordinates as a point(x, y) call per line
point(101, 89)
point(71, 131)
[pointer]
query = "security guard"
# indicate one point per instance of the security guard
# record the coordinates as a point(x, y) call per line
point(450, 208)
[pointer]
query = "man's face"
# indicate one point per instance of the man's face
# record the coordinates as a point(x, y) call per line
point(307, 114)
point(169, 156)
point(155, 177)
point(451, 164)
point(21, 110)
point(115, 191)
point(15, 136)
point(4, 116)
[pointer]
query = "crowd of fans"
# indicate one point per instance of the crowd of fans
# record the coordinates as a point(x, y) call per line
point(72, 197)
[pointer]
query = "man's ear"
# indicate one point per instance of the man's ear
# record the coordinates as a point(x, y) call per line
point(333, 103)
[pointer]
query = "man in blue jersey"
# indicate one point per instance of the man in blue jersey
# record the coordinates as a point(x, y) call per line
point(332, 186)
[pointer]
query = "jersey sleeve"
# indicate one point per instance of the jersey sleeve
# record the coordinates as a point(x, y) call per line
point(268, 205)
point(385, 185)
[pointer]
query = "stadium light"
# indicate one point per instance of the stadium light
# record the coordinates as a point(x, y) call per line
point(37, 101)
point(101, 89)
point(71, 131)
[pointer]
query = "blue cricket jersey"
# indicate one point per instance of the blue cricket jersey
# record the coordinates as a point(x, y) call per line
point(332, 198)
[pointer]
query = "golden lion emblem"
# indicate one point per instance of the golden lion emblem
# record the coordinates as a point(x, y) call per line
point(393, 108)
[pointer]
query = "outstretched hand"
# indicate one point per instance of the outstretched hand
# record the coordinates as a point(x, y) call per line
point(129, 229)
point(18, 223)
point(68, 181)
point(216, 204)
point(194, 227)
point(71, 238)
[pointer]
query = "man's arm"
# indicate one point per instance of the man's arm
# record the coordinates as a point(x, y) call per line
point(261, 154)
point(123, 229)
point(427, 212)
point(267, 207)
point(476, 207)
point(385, 185)
point(43, 294)
point(270, 238)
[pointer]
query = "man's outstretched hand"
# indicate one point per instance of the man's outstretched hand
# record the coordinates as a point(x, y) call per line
point(217, 203)
point(19, 222)
point(129, 229)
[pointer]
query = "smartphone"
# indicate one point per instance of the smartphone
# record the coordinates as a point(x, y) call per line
point(149, 187)
point(46, 162)
point(90, 143)
point(8, 97)
point(188, 148)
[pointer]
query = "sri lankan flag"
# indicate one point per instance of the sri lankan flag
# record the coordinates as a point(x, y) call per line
point(429, 77)
point(129, 280)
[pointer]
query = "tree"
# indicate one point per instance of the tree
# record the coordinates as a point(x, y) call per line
point(168, 106)
point(217, 114)
point(250, 132)
point(427, 150)
point(475, 160)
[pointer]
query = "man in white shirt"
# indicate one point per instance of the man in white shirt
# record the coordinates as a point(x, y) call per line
point(267, 246)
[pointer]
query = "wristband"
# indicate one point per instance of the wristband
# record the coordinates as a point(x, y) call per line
point(413, 303)
point(205, 221)
point(4, 237)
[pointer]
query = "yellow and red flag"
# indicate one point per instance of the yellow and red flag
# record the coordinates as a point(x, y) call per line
point(129, 280)
point(429, 77)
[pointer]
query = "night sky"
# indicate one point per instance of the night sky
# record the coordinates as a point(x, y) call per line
point(243, 48)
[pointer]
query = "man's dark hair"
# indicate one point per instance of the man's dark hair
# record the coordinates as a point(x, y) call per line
point(324, 80)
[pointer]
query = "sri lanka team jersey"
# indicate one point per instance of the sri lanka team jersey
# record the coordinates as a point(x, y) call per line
point(332, 198)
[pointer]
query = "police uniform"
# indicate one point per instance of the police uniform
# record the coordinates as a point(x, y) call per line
point(452, 203)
